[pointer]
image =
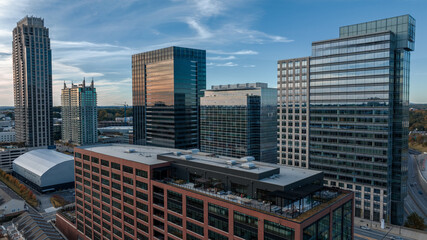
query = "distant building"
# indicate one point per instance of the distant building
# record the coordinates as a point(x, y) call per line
point(10, 203)
point(79, 114)
point(32, 225)
point(45, 170)
point(8, 154)
point(240, 120)
point(157, 193)
point(115, 134)
point(293, 112)
point(167, 85)
point(32, 82)
point(7, 137)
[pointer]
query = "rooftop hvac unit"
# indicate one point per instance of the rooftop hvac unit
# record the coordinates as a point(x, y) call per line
point(194, 151)
point(177, 153)
point(248, 165)
point(247, 159)
point(185, 157)
point(130, 150)
point(231, 162)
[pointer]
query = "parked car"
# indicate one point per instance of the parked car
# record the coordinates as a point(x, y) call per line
point(364, 228)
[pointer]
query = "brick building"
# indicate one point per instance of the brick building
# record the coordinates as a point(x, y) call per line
point(140, 192)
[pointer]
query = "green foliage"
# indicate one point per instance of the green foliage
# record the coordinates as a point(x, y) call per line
point(109, 114)
point(415, 221)
point(418, 120)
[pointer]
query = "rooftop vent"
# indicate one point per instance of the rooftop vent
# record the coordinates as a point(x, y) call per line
point(130, 151)
point(247, 159)
point(194, 151)
point(231, 162)
point(248, 165)
point(177, 153)
point(186, 157)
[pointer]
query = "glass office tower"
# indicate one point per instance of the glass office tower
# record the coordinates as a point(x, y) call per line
point(32, 82)
point(359, 96)
point(167, 85)
point(239, 120)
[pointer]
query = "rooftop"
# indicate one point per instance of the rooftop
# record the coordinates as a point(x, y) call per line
point(31, 225)
point(141, 154)
point(41, 160)
point(279, 174)
point(240, 86)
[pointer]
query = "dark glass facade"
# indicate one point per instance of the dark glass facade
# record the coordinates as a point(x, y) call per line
point(167, 85)
point(239, 120)
point(359, 95)
point(32, 82)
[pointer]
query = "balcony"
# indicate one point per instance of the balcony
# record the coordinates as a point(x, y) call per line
point(290, 205)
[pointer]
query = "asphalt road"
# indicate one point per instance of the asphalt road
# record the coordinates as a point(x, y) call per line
point(415, 202)
point(361, 234)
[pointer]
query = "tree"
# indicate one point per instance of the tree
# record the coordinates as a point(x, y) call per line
point(415, 221)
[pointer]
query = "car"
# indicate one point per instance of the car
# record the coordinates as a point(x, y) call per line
point(364, 228)
point(421, 193)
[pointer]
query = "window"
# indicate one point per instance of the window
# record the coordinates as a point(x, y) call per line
point(174, 219)
point(95, 160)
point(245, 226)
point(115, 165)
point(141, 173)
point(141, 185)
point(174, 231)
point(195, 209)
point(105, 163)
point(127, 169)
point(195, 228)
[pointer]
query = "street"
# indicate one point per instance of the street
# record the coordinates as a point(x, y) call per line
point(415, 202)
point(362, 234)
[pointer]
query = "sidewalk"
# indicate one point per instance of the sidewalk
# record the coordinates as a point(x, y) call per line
point(392, 229)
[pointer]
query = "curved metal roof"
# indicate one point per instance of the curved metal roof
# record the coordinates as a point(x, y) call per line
point(41, 160)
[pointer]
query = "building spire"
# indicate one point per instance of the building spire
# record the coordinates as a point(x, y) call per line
point(91, 84)
point(65, 85)
point(84, 81)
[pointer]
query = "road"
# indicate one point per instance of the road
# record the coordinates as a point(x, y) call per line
point(415, 202)
point(361, 234)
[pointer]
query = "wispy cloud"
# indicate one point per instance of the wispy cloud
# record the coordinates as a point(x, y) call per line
point(227, 64)
point(240, 52)
point(97, 38)
point(219, 58)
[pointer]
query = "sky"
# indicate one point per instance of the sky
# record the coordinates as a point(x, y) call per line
point(244, 39)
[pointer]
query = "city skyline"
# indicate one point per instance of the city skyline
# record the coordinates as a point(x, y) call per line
point(242, 43)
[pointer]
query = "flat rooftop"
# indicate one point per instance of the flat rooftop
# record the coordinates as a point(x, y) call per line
point(148, 155)
point(287, 175)
point(142, 154)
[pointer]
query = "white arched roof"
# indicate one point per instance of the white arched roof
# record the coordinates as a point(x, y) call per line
point(41, 160)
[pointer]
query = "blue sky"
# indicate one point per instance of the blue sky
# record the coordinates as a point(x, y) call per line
point(243, 38)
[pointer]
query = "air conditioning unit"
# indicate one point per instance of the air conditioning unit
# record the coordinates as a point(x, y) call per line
point(248, 165)
point(130, 151)
point(186, 157)
point(231, 162)
point(247, 159)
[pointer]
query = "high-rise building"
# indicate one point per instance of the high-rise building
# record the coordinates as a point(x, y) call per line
point(79, 114)
point(32, 82)
point(359, 97)
point(167, 85)
point(142, 192)
point(239, 120)
point(293, 111)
